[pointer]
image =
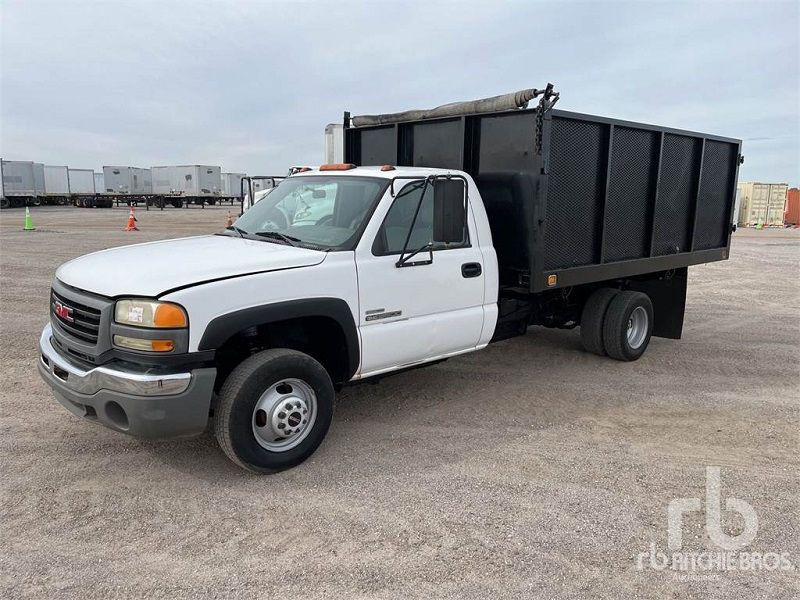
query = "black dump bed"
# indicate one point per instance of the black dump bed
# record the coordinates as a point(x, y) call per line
point(578, 197)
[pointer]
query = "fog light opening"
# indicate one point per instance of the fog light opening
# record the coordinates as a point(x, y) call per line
point(116, 414)
point(60, 373)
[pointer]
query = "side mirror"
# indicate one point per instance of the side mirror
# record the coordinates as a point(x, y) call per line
point(449, 210)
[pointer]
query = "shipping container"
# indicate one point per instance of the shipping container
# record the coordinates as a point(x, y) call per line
point(762, 203)
point(193, 181)
point(127, 180)
point(56, 181)
point(791, 215)
point(99, 183)
point(737, 206)
point(232, 185)
point(81, 182)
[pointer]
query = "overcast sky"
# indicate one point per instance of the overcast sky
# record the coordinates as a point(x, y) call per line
point(250, 85)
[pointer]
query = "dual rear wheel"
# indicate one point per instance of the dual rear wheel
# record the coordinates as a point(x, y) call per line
point(617, 323)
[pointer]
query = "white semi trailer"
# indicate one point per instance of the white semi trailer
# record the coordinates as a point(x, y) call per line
point(232, 185)
point(134, 181)
point(99, 183)
point(23, 183)
point(56, 184)
point(197, 184)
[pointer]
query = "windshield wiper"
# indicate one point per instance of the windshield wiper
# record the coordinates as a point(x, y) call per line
point(292, 241)
point(241, 232)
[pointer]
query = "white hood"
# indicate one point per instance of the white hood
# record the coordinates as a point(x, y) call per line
point(153, 268)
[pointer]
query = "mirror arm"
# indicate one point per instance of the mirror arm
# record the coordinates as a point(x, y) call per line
point(403, 258)
point(403, 261)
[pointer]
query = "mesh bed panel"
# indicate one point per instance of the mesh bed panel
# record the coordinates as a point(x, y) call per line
point(575, 190)
point(676, 193)
point(713, 205)
point(628, 211)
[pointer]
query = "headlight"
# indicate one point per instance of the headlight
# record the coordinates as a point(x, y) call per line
point(147, 313)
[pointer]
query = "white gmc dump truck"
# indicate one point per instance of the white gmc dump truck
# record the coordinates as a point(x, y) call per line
point(474, 221)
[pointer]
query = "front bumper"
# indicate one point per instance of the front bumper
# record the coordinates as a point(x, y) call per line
point(137, 400)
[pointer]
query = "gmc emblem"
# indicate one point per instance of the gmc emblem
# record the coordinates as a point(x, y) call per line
point(65, 312)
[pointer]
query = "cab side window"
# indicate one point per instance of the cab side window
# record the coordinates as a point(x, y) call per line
point(393, 232)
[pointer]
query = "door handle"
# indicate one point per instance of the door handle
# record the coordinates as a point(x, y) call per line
point(471, 269)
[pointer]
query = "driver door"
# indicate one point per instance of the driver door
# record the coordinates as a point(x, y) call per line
point(413, 314)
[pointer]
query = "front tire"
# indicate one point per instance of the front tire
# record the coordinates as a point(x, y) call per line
point(269, 393)
point(628, 326)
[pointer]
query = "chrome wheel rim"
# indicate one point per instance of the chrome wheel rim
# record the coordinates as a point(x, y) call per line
point(284, 415)
point(637, 327)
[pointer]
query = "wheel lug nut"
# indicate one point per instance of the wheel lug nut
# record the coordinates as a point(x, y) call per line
point(281, 415)
point(281, 425)
point(288, 406)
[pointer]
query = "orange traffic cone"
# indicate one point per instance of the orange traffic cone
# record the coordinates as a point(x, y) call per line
point(230, 220)
point(131, 222)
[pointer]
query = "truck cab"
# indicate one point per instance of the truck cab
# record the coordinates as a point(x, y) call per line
point(340, 274)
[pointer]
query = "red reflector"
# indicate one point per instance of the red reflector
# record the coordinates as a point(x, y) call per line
point(337, 167)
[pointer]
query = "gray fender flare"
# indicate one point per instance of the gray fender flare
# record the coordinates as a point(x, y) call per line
point(223, 327)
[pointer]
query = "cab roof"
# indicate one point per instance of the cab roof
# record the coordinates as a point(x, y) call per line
point(376, 171)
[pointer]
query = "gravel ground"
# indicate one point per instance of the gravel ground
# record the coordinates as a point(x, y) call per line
point(530, 469)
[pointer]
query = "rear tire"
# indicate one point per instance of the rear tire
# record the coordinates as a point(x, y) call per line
point(592, 318)
point(248, 410)
point(628, 326)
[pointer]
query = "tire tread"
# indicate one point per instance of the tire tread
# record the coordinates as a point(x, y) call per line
point(614, 340)
point(230, 391)
point(592, 318)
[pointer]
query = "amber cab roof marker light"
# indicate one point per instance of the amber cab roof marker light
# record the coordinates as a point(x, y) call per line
point(387, 168)
point(337, 167)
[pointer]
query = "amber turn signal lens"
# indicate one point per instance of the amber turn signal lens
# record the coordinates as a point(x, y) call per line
point(163, 345)
point(169, 315)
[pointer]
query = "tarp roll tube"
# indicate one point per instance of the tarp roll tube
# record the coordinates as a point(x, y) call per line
point(503, 102)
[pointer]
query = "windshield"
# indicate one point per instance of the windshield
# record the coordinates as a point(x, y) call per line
point(325, 212)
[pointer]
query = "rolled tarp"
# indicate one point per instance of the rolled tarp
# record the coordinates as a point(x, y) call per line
point(503, 102)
